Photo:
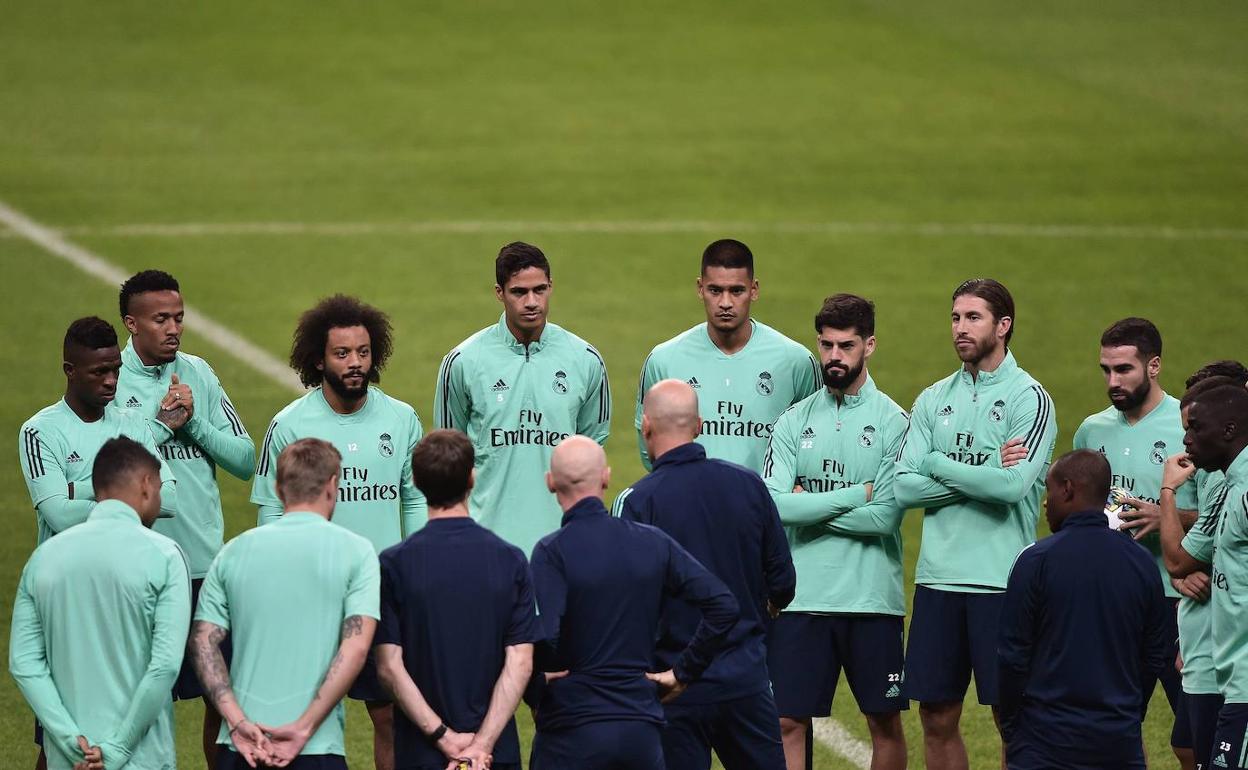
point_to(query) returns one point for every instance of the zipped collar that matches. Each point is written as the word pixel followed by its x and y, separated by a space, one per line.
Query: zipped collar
pixel 848 401
pixel 516 346
pixel 131 362
pixel 1002 373
pixel 685 453
pixel 585 508
pixel 1091 518
pixel 114 510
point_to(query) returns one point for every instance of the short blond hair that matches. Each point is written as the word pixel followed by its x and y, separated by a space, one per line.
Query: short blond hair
pixel 304 468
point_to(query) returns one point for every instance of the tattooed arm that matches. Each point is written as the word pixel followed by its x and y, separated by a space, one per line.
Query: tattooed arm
pixel 214 675
pixel 356 637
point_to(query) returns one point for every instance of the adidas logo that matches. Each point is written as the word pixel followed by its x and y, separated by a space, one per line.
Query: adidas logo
pixel 73 458
pixel 893 692
pixel 133 402
pixel 948 410
pixel 1220 760
pixel 500 386
pixel 809 432
pixel 693 382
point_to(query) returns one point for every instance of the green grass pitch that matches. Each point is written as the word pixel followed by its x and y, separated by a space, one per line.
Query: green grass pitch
pixel 1093 157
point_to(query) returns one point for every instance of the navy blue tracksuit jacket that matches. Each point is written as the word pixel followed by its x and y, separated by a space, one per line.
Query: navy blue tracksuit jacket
pixel 600 584
pixel 723 515
pixel 1083 620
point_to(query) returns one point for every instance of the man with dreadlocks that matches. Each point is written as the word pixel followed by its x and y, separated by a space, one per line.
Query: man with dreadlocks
pixel 340 347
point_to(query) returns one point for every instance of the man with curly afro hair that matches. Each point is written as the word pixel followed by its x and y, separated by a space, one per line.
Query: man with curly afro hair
pixel 339 349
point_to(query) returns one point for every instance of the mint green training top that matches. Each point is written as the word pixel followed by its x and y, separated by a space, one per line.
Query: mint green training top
pixel 516 402
pixel 283 591
pixel 739 395
pixel 57 451
pixel 214 436
pixel 377 498
pixel 847 551
pixel 978 516
pixel 1136 454
pixel 99 628
pixel 1196 618
pixel 1230 587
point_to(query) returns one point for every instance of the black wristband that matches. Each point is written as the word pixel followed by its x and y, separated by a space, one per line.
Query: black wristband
pixel 437 734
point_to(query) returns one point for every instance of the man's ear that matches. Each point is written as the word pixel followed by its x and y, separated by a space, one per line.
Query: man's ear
pixel 550 482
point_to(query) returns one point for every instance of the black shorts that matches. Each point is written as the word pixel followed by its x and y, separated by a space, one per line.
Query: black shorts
pixel 744 733
pixel 1230 740
pixel 1195 725
pixel 367 687
pixel 227 759
pixel 806 652
pixel 623 745
pixel 952 636
pixel 186 686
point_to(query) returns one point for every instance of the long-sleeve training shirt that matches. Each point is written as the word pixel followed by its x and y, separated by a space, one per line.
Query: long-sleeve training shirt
pixel 723 516
pixel 1083 620
pixel 57 450
pixel 600 583
pixel 847 549
pixel 977 515
pixel 99 629
pixel 739 395
pixel 517 402
pixel 213 437
pixel 377 497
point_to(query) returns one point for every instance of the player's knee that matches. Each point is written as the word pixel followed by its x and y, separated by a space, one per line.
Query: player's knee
pixel 793 728
pixel 885 726
pixel 940 720
pixel 382 715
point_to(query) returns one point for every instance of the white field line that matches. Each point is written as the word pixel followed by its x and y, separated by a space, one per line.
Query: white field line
pixel 833 734
pixel 828 731
pixel 94 265
pixel 643 227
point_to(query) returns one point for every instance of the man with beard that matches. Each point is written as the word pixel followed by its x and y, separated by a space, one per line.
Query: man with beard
pixel 518 388
pixel 745 372
pixel 1215 415
pixel 58 445
pixel 979 510
pixel 830 467
pixel 341 346
pixel 1136 433
pixel 196 428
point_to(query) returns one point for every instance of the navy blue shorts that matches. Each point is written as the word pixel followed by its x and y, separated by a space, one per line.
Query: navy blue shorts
pixel 952 636
pixel 626 745
pixel 1230 739
pixel 1195 725
pixel 1171 680
pixel 186 686
pixel 744 733
pixel 806 652
pixel 367 687
pixel 227 759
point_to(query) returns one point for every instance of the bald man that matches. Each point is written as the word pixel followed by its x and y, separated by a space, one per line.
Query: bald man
pixel 1083 623
pixel 601 583
pixel 724 516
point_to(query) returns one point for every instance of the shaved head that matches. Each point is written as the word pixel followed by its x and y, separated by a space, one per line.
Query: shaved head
pixel 672 407
pixel 578 469
pixel 1077 481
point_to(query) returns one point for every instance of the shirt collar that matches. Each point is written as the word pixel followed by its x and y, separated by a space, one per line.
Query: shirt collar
pixel 114 510
pixel 850 401
pixel 453 523
pixel 706 335
pixel 515 345
pixel 586 507
pixel 685 453
pixel 131 362
pixel 1237 473
pixel 1090 518
pixel 987 379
